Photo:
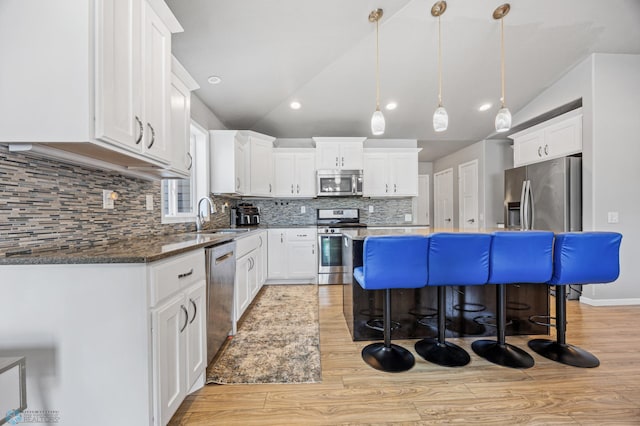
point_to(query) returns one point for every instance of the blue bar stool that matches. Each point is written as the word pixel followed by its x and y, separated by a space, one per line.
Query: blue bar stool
pixel 578 258
pixel 391 262
pixel 454 259
pixel 516 257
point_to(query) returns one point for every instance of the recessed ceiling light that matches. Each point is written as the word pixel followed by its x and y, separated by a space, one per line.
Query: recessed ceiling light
pixel 391 106
pixel 214 79
pixel 295 105
pixel 484 107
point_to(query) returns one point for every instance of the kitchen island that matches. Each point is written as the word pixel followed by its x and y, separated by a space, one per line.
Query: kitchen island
pixel 471 310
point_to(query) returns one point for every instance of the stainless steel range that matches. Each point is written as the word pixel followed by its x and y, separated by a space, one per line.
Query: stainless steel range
pixel 331 224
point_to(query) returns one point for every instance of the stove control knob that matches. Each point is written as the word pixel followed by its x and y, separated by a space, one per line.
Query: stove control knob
pixel 333 230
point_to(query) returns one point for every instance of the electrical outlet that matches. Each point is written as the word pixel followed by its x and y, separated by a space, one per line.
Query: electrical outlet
pixel 370 209
pixel 408 217
pixel 613 217
pixel 149 199
pixel 303 209
pixel 108 201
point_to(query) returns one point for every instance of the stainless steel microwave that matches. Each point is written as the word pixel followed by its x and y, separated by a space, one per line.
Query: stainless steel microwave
pixel 339 183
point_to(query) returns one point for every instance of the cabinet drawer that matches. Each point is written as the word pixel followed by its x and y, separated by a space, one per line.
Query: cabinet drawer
pixel 301 234
pixel 169 276
pixel 246 244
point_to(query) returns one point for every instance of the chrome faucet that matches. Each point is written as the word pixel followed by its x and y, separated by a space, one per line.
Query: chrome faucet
pixel 199 217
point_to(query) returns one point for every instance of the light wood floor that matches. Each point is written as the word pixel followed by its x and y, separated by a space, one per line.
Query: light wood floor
pixel 481 392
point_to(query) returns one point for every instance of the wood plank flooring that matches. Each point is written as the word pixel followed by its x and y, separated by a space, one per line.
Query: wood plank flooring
pixel 479 393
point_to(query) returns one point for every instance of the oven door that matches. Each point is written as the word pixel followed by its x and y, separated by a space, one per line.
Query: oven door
pixel 330 253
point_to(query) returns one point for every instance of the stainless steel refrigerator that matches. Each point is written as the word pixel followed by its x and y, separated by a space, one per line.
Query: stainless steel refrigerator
pixel 545 196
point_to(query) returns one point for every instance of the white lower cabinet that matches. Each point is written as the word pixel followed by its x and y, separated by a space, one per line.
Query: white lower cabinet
pixel 178 325
pixel 250 275
pixel 293 254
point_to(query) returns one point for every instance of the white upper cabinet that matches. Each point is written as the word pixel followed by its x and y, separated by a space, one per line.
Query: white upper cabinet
pixel 106 90
pixel 558 137
pixel 339 153
pixel 241 163
pixel 181 86
pixel 390 172
pixel 294 173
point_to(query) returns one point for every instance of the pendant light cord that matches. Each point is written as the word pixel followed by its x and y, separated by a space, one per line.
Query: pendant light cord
pixel 502 59
pixel 377 67
pixel 439 64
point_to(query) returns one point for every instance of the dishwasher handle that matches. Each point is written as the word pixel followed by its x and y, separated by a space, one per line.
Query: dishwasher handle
pixel 223 258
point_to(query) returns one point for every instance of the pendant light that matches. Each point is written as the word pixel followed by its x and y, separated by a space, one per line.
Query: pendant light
pixel 377 119
pixel 503 118
pixel 440 116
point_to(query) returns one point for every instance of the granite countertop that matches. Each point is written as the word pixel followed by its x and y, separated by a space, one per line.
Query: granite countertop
pixel 134 250
pixel 361 234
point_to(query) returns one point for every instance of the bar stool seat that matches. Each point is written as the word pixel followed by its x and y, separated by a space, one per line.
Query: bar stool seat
pixel 454 259
pixel 578 258
pixel 391 262
pixel 516 257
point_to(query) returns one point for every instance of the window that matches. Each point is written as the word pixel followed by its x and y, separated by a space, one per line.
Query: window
pixel 179 196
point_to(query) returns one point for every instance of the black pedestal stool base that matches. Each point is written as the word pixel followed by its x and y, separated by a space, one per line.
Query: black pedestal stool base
pixel 505 354
pixel 445 354
pixel 392 359
pixel 565 354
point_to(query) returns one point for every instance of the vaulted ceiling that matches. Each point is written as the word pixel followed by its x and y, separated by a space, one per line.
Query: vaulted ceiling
pixel 322 54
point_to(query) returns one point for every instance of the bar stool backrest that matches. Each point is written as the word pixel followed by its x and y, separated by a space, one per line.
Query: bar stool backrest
pixel 393 262
pixel 459 258
pixel 586 258
pixel 521 257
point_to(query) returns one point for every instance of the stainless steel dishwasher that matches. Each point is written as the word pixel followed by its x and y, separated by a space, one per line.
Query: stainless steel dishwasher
pixel 221 273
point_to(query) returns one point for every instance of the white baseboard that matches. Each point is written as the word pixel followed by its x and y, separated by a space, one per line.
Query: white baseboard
pixel 609 302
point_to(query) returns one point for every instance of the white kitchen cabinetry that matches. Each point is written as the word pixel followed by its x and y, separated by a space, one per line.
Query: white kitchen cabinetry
pixel 178 329
pixel 558 137
pixel 390 172
pixel 250 275
pixel 181 86
pixel 339 153
pixel 293 255
pixel 105 95
pixel 241 163
pixel 294 173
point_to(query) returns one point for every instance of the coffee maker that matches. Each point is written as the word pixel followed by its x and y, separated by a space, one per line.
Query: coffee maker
pixel 245 215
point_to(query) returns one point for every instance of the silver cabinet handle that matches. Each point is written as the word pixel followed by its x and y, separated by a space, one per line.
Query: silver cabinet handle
pixel 395 188
pixel 386 187
pixel 298 189
pixel 342 161
pixel 546 149
pixel 153 135
pixel 269 188
pixel 260 237
pixel 336 161
pixel 186 318
pixel 540 151
pixel 471 220
pixel 141 130
pixel 190 161
pixel 195 310
pixel 185 274
pixel 282 238
pixel 448 220
pixel 237 184
pixel 313 249
pixel 292 188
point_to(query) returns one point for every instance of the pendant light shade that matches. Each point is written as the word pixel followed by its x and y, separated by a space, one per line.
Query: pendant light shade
pixel 377 123
pixel 377 119
pixel 440 116
pixel 503 118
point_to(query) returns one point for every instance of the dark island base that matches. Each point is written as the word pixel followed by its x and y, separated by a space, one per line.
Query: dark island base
pixel 471 310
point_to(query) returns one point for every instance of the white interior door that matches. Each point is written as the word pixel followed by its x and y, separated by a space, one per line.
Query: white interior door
pixel 468 195
pixel 421 202
pixel 443 199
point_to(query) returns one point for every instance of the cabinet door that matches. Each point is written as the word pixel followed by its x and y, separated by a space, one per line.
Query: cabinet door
pixel 261 167
pixel 327 155
pixel 242 293
pixel 375 182
pixel 263 259
pixel 118 115
pixel 277 259
pixel 351 156
pixel 181 159
pixel 156 72
pixel 239 166
pixel 301 259
pixel 169 354
pixel 284 169
pixel 196 338
pixel 403 174
pixel 563 138
pixel 253 274
pixel 528 148
pixel 305 176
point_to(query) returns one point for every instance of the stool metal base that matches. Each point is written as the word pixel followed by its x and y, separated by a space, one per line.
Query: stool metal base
pixel 505 355
pixel 445 354
pixel 565 354
pixel 392 359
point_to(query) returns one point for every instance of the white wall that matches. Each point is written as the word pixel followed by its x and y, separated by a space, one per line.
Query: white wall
pixel 610 90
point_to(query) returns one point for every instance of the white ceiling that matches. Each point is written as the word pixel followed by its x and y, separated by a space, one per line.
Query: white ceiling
pixel 322 54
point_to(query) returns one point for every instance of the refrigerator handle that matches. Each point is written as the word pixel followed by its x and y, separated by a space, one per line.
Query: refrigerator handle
pixel 523 194
pixel 533 207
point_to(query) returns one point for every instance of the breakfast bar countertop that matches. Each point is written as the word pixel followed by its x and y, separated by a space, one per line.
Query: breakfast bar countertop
pixel 361 234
